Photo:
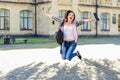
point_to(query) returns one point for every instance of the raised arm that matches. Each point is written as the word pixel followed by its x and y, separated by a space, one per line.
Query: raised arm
pixel 53 17
pixel 80 22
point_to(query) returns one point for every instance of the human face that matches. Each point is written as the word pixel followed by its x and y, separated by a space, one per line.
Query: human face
pixel 71 17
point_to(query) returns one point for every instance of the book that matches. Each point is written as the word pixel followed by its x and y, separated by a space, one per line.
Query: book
pixel 95 16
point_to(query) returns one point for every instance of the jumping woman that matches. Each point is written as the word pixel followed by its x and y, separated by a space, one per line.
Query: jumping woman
pixel 70 33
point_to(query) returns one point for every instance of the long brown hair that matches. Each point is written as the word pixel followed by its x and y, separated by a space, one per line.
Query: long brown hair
pixel 67 13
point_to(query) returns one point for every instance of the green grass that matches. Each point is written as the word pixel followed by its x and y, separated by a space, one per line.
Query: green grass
pixel 31 40
pixel 1 40
pixel 40 40
pixel 102 40
pixel 37 42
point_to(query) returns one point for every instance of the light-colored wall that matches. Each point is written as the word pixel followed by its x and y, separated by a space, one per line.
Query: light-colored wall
pixel 113 27
pixel 42 21
pixel 50 29
pixel 44 24
pixel 93 29
pixel 15 18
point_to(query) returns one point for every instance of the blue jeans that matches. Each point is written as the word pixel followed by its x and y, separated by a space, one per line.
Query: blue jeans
pixel 68 49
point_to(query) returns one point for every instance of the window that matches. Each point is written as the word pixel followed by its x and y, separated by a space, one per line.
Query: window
pixel 114 19
pixel 25 20
pixel 62 13
pixel 4 19
pixel 119 22
pixel 105 21
pixel 86 26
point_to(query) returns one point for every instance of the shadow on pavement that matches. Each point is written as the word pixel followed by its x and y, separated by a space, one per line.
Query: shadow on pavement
pixel 87 69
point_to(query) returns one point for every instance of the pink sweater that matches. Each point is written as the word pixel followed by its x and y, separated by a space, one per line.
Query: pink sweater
pixel 75 25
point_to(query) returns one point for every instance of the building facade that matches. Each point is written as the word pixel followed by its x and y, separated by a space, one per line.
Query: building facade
pixel 26 17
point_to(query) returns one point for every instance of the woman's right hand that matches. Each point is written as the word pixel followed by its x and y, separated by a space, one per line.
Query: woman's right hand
pixel 47 14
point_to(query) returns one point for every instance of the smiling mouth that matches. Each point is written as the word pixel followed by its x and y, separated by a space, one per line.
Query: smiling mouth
pixel 70 18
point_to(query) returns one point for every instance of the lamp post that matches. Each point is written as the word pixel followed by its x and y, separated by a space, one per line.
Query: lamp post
pixel 96 23
pixel 35 2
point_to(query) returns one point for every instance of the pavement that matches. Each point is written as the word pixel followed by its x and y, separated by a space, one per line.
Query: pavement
pixel 99 62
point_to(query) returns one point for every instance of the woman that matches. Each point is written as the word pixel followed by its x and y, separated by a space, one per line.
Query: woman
pixel 70 33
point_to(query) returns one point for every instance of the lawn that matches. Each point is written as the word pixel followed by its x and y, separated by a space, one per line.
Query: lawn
pixel 31 40
pixel 37 42
pixel 99 40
